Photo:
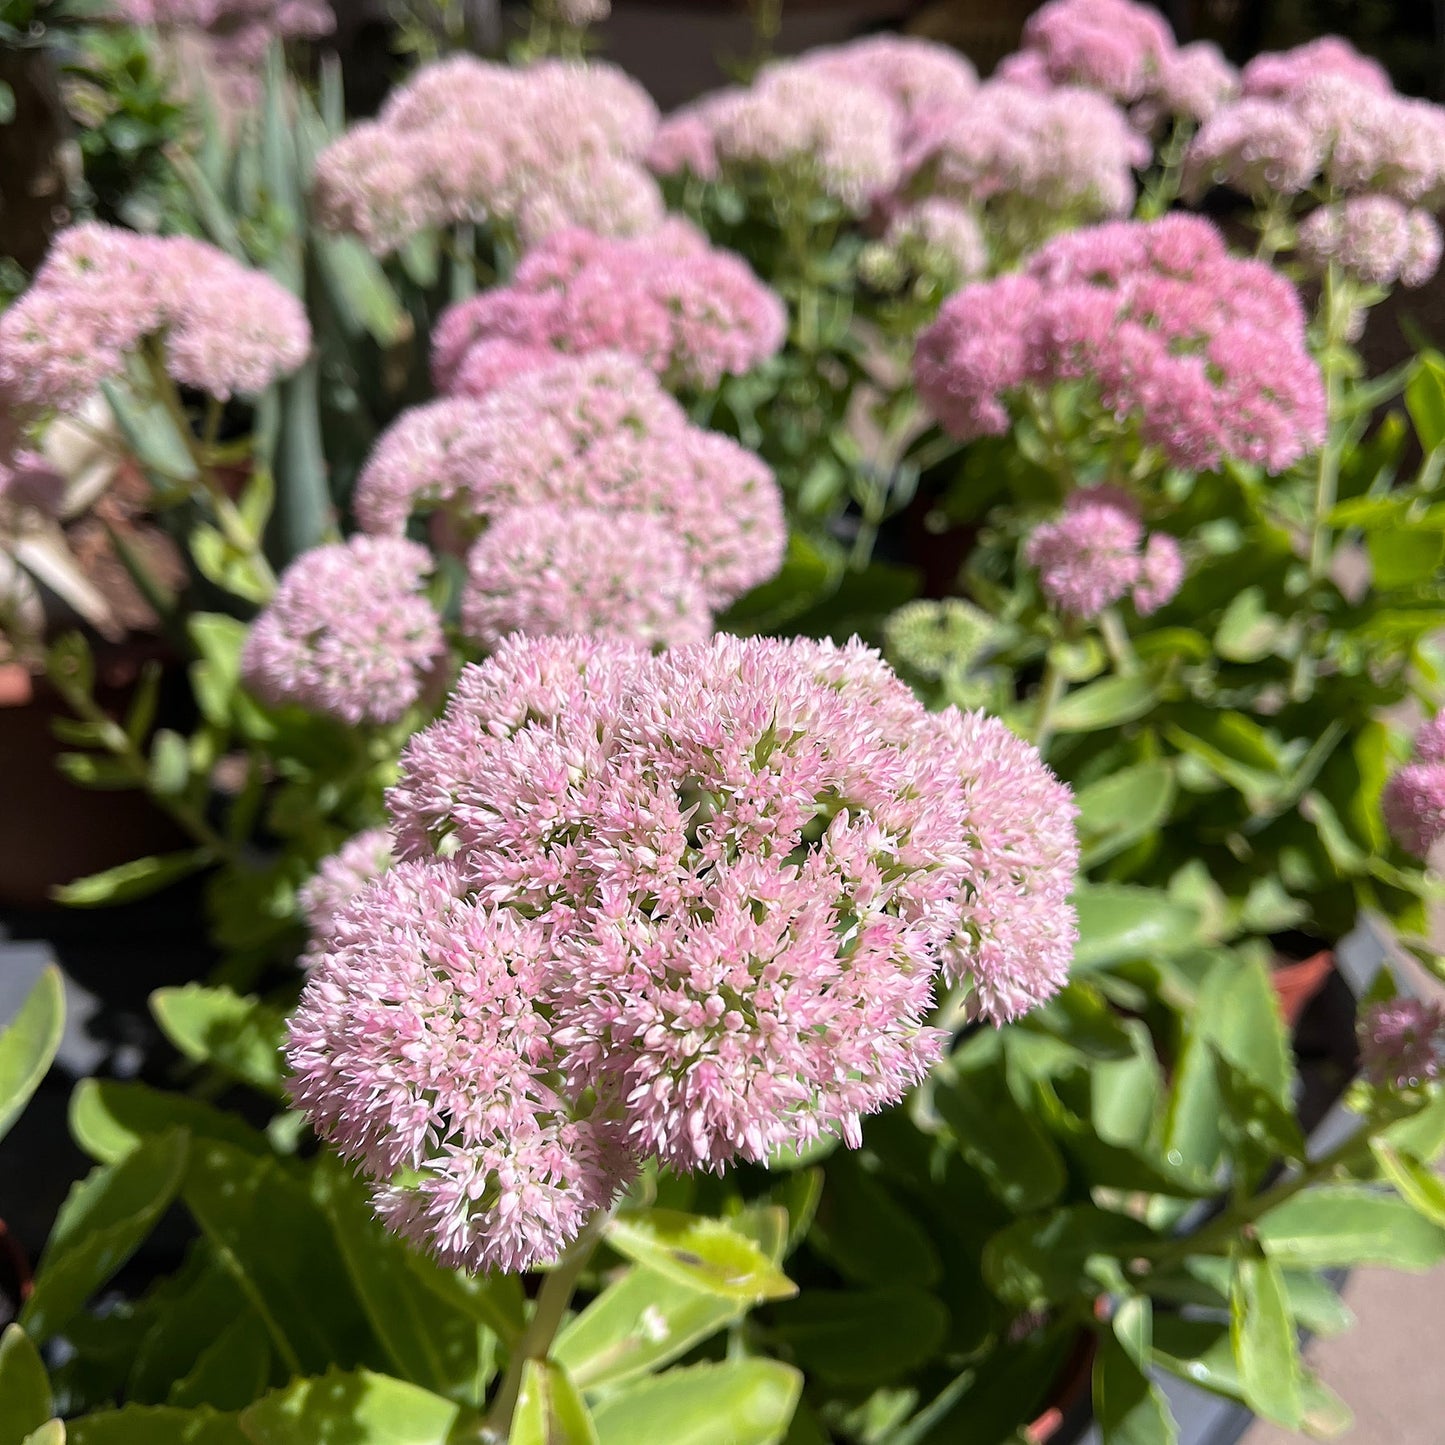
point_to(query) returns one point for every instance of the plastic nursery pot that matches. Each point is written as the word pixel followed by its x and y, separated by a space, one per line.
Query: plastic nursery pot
pixel 52 830
pixel 1297 983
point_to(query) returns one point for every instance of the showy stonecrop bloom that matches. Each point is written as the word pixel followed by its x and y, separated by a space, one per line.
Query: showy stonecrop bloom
pixel 349 632
pixel 1402 1043
pixel 342 875
pixel 936 239
pixel 691 313
pixel 1095 554
pixel 103 292
pixel 1203 352
pixel 547 571
pixel 1037 161
pixel 691 907
pixel 1113 46
pixel 1414 797
pixel 1374 240
pixel 594 431
pixel 527 150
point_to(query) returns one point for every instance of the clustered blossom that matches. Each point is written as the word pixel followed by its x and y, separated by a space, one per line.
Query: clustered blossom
pixel 594 432
pixel 1125 51
pixel 1414 797
pixel 536 149
pixel 914 75
pixel 242 28
pixel 1402 1042
pixel 1064 152
pixel 102 291
pixel 690 907
pixel 1095 553
pixel 1322 112
pixel 349 632
pixel 546 571
pixel 690 312
pixel 342 875
pixel 1203 351
pixel 1373 239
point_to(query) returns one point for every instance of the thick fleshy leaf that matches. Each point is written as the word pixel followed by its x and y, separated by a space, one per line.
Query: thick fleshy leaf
pixel 1343 1224
pixel 1122 808
pixel 103 1221
pixel 702 1253
pixel 155 1425
pixel 638 1324
pixel 1262 1335
pixel 1046 1258
pixel 1129 1407
pixel 28 1045
pixel 370 1409
pixel 25 1399
pixel 1105 704
pixel 549 1409
pixel 109 1119
pixel 216 1026
pixel 745 1402
pixel 862 1229
pixel 1119 923
pixel 1417 1184
pixel 861 1337
pixel 232 1370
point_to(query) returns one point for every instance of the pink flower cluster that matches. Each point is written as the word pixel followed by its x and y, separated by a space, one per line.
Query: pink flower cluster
pixel 1065 151
pixel 1125 51
pixel 532 150
pixel 549 570
pixel 1322 112
pixel 102 291
pixel 243 28
pixel 1204 352
pixel 690 907
pixel 1414 798
pixel 595 432
pixel 1374 239
pixel 342 875
pixel 349 632
pixel 691 313
pixel 1402 1043
pixel 1095 553
pixel 936 238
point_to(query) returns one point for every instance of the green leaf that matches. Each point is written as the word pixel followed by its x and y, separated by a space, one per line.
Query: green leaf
pixel 1417 1184
pixel 1205 1280
pixel 25 1399
pixel 153 438
pixel 745 1402
pixel 279 1247
pixel 1238 1012
pixel 232 1370
pixel 638 1324
pixel 1404 557
pixel 1120 809
pixel 215 1026
pixel 1343 1224
pixel 808 573
pixel 1129 1407
pixel 103 1221
pixel 1123 924
pixel 1248 631
pixel 216 675
pixel 1421 1134
pixel 1047 1258
pixel 1105 704
pixel 1262 1336
pixel 154 1425
pixel 364 298
pixel 1193 1136
pixel 137 879
pixel 360 1408
pixel 435 1345
pixel 109 1120
pixel 861 1337
pixel 549 1409
pixel 862 1229
pixel 702 1253
pixel 1018 1160
pixel 50 1433
pixel 1425 400
pixel 28 1045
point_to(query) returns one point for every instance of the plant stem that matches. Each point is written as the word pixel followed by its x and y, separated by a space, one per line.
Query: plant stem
pixel 1050 693
pixel 1327 481
pixel 552 1301
pixel 1116 642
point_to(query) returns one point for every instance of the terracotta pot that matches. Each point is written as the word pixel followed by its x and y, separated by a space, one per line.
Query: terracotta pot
pixel 1298 982
pixel 53 831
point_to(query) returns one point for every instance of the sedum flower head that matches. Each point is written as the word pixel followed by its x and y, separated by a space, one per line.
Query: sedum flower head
pixel 1161 574
pixel 913 74
pixel 689 907
pixel 1402 1042
pixel 1414 797
pixel 1205 352
pixel 349 632
pixel 594 431
pixel 933 638
pixel 1113 46
pixel 1375 239
pixel 549 570
pixel 102 292
pixel 936 238
pixel 342 875
pixel 1088 558
pixel 691 313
